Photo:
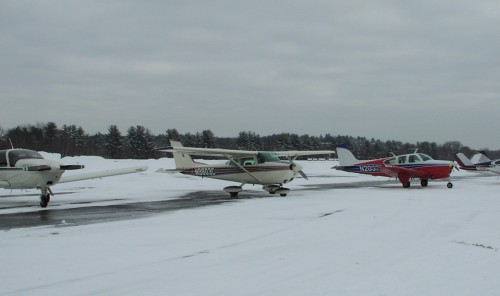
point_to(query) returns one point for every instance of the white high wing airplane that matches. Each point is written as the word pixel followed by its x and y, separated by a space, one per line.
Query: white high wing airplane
pixel 245 167
pixel 24 169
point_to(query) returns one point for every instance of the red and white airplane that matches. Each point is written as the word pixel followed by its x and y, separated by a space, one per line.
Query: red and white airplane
pixel 403 167
pixel 245 167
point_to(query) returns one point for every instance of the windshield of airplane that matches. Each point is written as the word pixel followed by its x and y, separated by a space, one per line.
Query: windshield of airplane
pixel 15 155
pixel 425 157
pixel 391 161
pixel 267 157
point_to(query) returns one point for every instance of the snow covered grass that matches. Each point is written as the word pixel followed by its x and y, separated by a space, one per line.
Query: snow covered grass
pixel 382 240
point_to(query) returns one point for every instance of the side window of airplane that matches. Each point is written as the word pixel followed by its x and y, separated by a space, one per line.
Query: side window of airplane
pixel 247 161
pixel 3 158
pixel 414 158
pixel 402 159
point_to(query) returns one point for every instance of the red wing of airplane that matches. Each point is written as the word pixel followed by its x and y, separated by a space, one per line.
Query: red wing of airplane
pixel 397 171
pixel 403 174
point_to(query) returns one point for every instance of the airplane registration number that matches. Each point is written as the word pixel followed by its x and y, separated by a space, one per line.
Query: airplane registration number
pixel 204 171
pixel 369 168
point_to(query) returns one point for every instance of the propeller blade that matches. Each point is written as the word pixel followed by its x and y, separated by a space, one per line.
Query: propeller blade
pixel 301 172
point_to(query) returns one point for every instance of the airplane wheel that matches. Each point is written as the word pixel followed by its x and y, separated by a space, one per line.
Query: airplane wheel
pixel 282 191
pixel 44 200
pixel 406 185
pixel 449 185
pixel 424 182
pixel 233 194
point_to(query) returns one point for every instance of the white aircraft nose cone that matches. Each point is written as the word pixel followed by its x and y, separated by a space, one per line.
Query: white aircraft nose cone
pixel 296 167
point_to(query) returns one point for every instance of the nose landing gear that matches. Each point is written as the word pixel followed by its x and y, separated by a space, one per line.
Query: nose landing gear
pixel 45 197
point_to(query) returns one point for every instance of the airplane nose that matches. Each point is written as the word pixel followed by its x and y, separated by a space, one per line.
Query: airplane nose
pixel 295 167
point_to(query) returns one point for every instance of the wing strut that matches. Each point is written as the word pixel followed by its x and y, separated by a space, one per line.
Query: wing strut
pixel 245 170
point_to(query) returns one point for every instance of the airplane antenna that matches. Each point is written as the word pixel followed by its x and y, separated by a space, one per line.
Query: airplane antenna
pixel 11 145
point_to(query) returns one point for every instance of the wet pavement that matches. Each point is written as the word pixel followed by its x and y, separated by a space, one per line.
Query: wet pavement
pixel 91 214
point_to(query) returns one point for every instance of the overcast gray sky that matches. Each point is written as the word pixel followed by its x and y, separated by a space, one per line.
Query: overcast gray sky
pixel 402 70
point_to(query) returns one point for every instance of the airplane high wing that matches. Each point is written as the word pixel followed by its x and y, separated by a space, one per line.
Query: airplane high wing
pixel 243 166
pixel 24 169
pixel 404 167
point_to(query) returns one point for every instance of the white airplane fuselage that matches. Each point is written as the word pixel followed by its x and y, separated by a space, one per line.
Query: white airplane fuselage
pixel 24 179
pixel 265 173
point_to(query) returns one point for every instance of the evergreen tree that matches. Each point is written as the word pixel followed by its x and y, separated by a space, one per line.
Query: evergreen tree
pixel 173 134
pixel 113 145
pixel 140 143
pixel 208 139
pixel 50 134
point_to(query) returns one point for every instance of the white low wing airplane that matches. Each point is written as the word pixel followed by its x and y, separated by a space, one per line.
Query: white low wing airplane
pixel 24 169
pixel 245 167
pixel 479 163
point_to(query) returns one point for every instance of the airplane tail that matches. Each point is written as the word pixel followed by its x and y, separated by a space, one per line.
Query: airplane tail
pixel 479 158
pixel 182 160
pixel 346 158
pixel 464 162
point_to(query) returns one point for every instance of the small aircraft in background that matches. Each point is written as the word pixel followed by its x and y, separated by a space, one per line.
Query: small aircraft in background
pixel 25 169
pixel 479 163
pixel 403 167
pixel 245 167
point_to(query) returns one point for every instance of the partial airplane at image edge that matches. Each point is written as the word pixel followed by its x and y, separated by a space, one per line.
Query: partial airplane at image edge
pixel 243 166
pixel 403 167
pixel 479 163
pixel 26 169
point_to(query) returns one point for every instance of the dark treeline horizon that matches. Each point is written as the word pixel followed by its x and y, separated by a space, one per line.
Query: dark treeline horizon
pixel 138 142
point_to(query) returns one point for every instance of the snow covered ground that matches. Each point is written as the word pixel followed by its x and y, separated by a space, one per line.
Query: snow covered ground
pixel 319 240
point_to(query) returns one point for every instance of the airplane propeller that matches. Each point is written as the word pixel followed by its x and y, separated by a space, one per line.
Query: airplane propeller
pixel 297 168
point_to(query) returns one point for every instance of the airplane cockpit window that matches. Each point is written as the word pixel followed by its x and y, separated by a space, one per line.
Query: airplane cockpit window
pixel 3 158
pixel 267 157
pixel 414 158
pixel 402 159
pixel 15 155
pixel 247 161
pixel 425 157
pixel 391 161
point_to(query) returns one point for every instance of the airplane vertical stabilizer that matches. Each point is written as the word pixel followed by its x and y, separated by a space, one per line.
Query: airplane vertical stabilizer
pixel 479 158
pixel 346 158
pixel 182 159
pixel 464 161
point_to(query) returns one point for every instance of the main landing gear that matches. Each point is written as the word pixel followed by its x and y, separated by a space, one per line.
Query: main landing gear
pixel 276 189
pixel 45 197
pixel 272 189
pixel 423 183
